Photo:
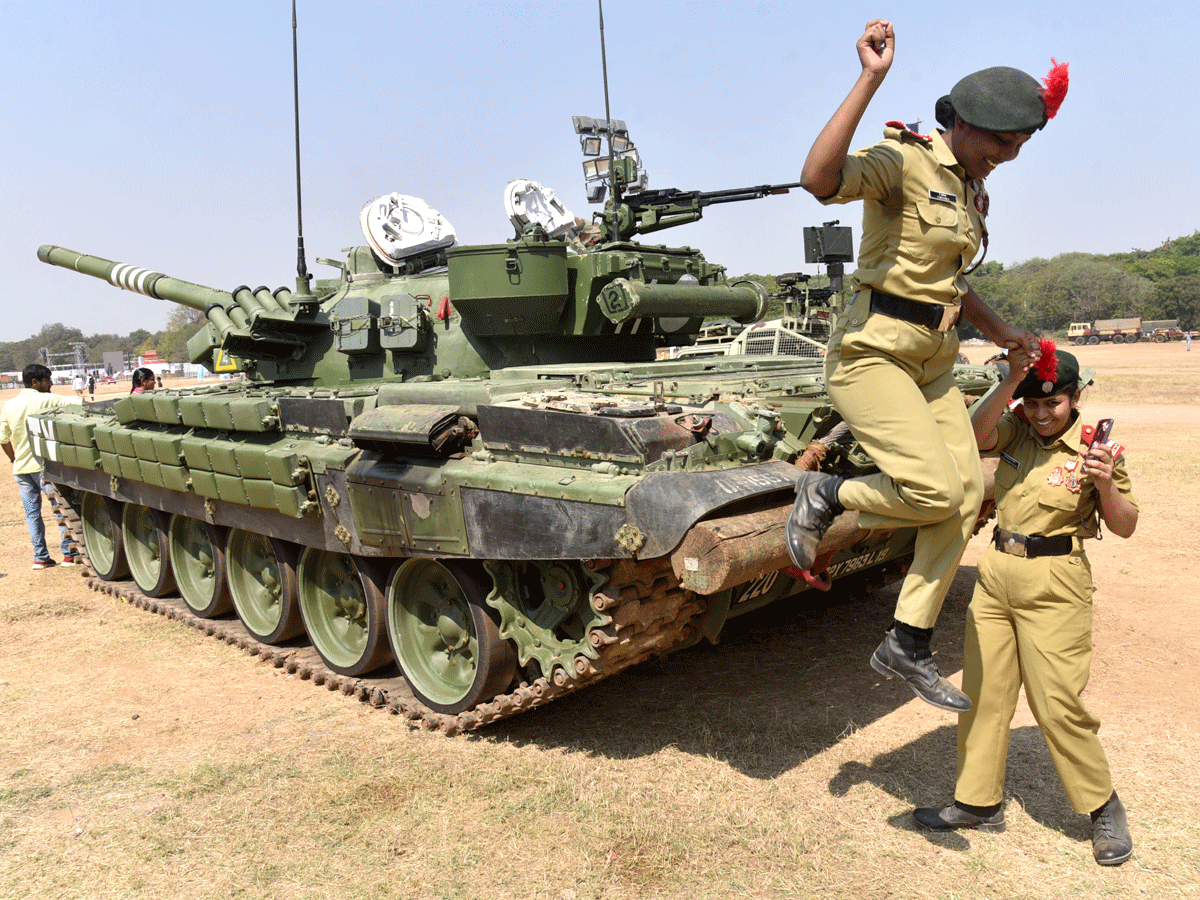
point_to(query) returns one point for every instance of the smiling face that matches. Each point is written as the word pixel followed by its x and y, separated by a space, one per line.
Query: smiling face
pixel 979 151
pixel 1050 416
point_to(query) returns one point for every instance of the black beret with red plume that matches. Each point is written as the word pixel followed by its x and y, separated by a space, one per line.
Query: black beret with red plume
pixel 1056 371
pixel 1005 100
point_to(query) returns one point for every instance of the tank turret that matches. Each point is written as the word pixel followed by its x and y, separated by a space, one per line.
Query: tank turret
pixel 465 312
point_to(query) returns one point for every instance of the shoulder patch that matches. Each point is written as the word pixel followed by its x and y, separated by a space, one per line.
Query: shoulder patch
pixel 904 131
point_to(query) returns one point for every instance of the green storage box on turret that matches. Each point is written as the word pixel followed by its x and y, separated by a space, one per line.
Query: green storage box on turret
pixel 515 288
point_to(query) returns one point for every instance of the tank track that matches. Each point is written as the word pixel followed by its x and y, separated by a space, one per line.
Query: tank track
pixel 651 615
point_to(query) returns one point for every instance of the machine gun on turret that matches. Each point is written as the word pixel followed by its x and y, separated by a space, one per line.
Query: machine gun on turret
pixel 646 211
pixel 632 209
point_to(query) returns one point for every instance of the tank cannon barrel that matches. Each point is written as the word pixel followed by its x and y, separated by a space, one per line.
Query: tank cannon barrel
pixel 245 322
pixel 133 278
pixel 623 299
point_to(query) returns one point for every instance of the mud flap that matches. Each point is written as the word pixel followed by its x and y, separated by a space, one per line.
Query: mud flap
pixel 664 505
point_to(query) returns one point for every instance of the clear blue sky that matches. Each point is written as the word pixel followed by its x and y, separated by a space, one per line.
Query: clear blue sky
pixel 160 133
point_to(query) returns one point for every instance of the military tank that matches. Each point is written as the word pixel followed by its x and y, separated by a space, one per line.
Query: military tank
pixel 457 481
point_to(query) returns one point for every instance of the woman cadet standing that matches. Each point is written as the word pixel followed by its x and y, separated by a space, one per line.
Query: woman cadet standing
pixel 888 363
pixel 1030 619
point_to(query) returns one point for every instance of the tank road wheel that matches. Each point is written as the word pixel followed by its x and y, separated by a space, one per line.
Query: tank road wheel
pixel 198 560
pixel 262 582
pixel 445 636
pixel 102 536
pixel 147 549
pixel 343 608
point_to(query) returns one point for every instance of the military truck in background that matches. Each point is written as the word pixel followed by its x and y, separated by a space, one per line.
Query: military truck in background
pixel 1119 331
pixel 1161 330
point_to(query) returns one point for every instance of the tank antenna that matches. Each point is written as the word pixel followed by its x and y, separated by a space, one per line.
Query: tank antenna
pixel 302 277
pixel 612 172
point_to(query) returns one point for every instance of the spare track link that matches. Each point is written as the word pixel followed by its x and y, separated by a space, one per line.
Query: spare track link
pixel 650 613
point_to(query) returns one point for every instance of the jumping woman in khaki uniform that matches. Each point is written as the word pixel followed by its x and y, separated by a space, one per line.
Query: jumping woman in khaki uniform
pixel 888 364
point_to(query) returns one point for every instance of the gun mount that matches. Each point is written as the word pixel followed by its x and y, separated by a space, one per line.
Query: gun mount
pixel 632 209
pixel 644 212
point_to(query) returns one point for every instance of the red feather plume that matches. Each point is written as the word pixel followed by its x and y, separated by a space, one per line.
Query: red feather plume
pixel 1047 365
pixel 1056 88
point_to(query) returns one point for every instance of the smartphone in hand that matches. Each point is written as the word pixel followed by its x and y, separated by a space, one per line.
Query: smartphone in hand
pixel 1100 435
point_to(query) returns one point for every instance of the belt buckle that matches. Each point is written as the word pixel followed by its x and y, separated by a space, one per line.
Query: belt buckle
pixel 1014 544
pixel 949 317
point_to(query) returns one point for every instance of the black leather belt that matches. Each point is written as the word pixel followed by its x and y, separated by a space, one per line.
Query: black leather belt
pixel 1032 544
pixel 930 315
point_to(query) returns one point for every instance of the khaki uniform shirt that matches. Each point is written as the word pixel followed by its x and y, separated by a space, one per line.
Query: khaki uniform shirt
pixel 921 221
pixel 1040 488
pixel 12 425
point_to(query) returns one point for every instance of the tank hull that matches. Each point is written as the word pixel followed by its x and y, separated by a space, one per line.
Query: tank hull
pixel 566 524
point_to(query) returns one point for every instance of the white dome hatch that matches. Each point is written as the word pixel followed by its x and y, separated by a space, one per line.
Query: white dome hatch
pixel 527 201
pixel 398 227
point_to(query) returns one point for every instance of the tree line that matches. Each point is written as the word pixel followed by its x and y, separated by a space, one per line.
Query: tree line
pixel 1046 295
pixel 59 338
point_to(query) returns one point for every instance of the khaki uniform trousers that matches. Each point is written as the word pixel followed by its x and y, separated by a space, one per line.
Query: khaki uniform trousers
pixel 1030 621
pixel 892 383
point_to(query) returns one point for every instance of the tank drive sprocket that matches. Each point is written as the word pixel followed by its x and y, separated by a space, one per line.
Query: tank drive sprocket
pixel 547 608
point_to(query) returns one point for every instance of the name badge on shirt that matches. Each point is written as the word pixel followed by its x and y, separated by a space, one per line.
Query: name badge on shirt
pixel 1011 460
pixel 942 195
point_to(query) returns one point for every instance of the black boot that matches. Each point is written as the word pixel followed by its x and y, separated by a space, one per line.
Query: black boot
pixel 890 660
pixel 816 507
pixel 957 816
pixel 1111 842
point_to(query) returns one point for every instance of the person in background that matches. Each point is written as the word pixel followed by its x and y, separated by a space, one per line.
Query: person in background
pixel 888 367
pixel 1030 619
pixel 27 471
pixel 143 380
pixel 92 386
pixel 78 385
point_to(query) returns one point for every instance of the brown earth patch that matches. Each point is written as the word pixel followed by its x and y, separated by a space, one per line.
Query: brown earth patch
pixel 142 759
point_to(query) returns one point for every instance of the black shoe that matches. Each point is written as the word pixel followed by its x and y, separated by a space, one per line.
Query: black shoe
pixel 921 675
pixel 953 816
pixel 815 509
pixel 1111 842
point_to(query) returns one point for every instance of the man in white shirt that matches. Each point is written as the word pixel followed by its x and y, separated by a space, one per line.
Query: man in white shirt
pixel 14 441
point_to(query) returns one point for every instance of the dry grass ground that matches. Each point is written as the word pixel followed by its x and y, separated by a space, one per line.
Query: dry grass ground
pixel 142 759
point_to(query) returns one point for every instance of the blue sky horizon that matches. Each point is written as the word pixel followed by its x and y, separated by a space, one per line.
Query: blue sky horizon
pixel 160 133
